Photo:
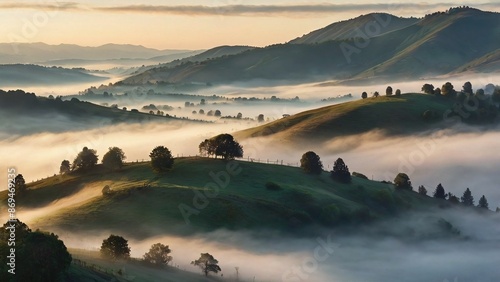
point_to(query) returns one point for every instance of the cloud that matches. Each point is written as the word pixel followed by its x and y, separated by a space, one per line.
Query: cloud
pixel 250 10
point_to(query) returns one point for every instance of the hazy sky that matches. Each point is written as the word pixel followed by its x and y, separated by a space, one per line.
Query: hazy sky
pixel 190 24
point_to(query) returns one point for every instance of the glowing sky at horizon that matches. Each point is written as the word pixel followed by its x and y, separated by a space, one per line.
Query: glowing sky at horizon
pixel 190 24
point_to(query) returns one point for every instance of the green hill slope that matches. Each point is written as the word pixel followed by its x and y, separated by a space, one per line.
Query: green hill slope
pixel 241 201
pixel 349 28
pixel 391 114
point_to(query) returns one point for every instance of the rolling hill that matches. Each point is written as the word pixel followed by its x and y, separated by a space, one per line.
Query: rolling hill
pixel 435 45
pixel 28 75
pixel 382 22
pixel 34 114
pixel 145 204
pixel 390 114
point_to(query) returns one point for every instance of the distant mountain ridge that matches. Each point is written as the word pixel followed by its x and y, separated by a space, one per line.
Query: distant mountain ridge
pixel 12 53
pixel 19 74
pixel 437 44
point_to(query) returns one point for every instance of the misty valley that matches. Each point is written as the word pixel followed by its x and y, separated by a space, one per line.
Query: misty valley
pixel 366 150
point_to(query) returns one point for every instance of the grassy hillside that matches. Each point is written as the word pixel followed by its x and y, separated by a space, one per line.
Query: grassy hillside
pixel 393 115
pixel 437 44
pixel 296 202
pixel 349 28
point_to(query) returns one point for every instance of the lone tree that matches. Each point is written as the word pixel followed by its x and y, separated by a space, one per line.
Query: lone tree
pixel 86 159
pixel 467 88
pixel 65 167
pixel 448 90
pixel 376 94
pixel 388 91
pixel 217 113
pixel 428 88
pixel 467 198
pixel 439 192
pixel 115 247
pixel 222 145
pixel 422 190
pixel 311 163
pixel 483 203
pixel 402 181
pixel 20 184
pixel 341 172
pixel 158 255
pixel 398 92
pixel 260 118
pixel 207 263
pixel 364 95
pixel 161 159
pixel 113 159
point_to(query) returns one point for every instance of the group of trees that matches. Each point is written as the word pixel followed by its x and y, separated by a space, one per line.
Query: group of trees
pixel 39 256
pixel 402 181
pixel 162 160
pixel 88 158
pixel 311 163
pixel 222 145
pixel 116 248
pixel 388 92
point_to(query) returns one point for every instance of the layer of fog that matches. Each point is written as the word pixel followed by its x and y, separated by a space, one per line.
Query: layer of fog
pixel 380 252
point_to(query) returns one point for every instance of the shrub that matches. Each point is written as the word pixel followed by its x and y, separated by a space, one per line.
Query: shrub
pixel 359 175
pixel 273 186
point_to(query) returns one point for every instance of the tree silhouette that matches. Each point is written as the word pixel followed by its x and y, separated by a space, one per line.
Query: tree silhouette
pixel 402 181
pixel 161 159
pixel 341 172
pixel 222 145
pixel 483 203
pixel 113 159
pixel 20 184
pixel 158 254
pixel 86 159
pixel 388 91
pixel 42 255
pixel 217 113
pixel 65 167
pixel 260 118
pixel 398 92
pixel 428 88
pixel 467 198
pixel 467 88
pixel 207 263
pixel 439 192
pixel 448 90
pixel 115 247
pixel 376 94
pixel 422 190
pixel 364 95
pixel 311 163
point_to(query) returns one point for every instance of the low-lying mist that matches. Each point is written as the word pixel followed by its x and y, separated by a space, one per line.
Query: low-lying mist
pixel 380 252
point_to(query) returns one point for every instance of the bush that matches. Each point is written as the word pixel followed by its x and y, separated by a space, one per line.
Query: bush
pixel 273 186
pixel 106 190
pixel 359 175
